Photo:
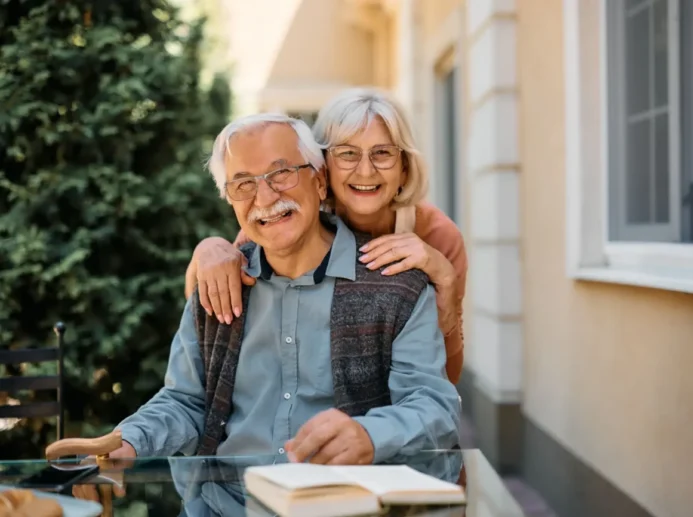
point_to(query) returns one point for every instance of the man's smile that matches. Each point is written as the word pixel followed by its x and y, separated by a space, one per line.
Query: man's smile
pixel 277 218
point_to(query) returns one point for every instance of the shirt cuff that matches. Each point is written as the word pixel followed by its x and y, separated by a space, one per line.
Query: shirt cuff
pixel 383 440
pixel 135 437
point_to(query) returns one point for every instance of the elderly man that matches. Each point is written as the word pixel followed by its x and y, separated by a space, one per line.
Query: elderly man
pixel 329 361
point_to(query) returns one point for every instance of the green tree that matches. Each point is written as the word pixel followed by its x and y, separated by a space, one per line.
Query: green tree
pixel 104 131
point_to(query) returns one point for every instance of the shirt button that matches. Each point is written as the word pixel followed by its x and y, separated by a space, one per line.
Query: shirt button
pixel 287 396
pixel 281 450
pixel 288 339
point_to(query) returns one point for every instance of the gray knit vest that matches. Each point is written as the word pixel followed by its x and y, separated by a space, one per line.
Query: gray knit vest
pixel 366 317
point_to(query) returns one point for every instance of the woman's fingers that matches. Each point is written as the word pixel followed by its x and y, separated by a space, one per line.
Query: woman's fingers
pixel 400 267
pixel 235 289
pixel 224 294
pixel 220 283
pixel 384 239
pixel 213 295
pixel 387 256
pixel 204 298
pixel 382 245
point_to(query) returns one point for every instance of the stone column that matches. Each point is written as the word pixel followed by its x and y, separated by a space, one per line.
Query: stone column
pixel 493 390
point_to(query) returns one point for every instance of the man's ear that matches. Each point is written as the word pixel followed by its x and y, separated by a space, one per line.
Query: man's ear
pixel 321 178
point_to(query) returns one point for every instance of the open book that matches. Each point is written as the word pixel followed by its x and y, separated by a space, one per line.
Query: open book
pixel 308 490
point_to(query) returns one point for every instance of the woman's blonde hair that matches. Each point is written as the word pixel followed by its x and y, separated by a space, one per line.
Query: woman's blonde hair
pixel 351 111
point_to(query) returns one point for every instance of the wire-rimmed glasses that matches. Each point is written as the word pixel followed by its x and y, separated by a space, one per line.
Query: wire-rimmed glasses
pixel 280 180
pixel 382 157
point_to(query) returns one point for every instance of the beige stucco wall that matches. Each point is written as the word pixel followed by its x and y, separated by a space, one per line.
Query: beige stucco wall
pixel 297 57
pixel 607 368
pixel 433 14
pixel 321 45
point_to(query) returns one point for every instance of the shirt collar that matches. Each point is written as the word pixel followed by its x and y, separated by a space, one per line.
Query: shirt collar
pixel 339 262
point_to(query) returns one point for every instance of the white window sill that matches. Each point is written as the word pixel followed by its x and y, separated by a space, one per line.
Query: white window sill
pixel 669 279
pixel 665 266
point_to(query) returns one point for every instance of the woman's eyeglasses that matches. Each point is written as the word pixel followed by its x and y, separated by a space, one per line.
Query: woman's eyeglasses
pixel 382 157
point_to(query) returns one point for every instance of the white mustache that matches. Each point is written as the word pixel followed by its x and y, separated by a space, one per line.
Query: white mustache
pixel 280 207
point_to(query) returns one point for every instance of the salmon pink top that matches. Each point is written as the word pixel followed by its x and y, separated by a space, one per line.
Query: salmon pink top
pixel 439 231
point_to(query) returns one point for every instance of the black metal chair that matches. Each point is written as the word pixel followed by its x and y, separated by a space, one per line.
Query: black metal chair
pixel 37 382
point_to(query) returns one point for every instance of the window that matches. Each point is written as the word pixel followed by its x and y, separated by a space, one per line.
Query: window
pixel 629 121
pixel 648 69
pixel 686 32
pixel 448 142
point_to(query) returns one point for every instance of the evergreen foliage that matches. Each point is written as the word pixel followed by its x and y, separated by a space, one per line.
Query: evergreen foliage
pixel 104 131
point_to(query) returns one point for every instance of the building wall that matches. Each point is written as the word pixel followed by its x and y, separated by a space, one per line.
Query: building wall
pixel 607 368
pixel 322 45
pixel 297 58
pixel 434 15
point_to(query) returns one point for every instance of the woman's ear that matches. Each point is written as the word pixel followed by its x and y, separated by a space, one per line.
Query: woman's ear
pixel 405 168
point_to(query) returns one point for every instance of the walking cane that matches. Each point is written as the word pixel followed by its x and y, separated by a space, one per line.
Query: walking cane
pixel 99 449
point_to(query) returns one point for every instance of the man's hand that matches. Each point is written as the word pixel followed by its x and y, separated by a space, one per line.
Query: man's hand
pixel 331 438
pixel 124 453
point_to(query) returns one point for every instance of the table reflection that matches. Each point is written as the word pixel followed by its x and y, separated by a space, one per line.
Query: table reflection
pixel 213 486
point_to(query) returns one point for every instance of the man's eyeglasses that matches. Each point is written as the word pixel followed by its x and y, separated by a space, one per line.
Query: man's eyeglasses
pixel 382 157
pixel 280 180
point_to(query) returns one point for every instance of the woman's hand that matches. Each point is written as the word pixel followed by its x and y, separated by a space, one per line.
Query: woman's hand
pixel 404 251
pixel 219 278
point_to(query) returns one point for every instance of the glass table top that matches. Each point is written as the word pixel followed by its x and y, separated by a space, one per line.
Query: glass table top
pixel 213 486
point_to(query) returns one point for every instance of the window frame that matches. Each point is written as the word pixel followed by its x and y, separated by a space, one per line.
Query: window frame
pixel 440 54
pixel 589 253
pixel 616 127
pixel 448 156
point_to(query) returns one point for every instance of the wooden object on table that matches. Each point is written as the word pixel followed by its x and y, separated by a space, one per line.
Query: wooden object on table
pixel 100 448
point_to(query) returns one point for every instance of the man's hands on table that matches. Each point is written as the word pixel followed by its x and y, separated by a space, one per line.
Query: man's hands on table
pixel 90 492
pixel 331 438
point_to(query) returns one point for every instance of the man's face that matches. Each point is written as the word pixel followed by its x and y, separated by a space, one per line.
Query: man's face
pixel 277 221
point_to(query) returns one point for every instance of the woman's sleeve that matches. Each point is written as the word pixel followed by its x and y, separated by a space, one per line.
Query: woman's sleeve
pixel 450 318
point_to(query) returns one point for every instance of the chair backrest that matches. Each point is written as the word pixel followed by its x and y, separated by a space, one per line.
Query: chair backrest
pixel 37 382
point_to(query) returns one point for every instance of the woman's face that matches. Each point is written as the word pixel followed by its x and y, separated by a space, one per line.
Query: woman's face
pixel 364 185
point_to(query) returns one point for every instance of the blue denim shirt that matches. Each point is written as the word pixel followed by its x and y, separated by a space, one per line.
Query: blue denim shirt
pixel 284 375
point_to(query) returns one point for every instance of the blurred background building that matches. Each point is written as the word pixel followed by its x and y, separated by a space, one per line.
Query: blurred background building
pixel 558 135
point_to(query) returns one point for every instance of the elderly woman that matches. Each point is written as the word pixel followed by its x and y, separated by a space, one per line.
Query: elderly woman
pixel 377 182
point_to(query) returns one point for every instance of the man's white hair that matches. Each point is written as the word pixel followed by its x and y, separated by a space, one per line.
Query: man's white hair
pixel 308 147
